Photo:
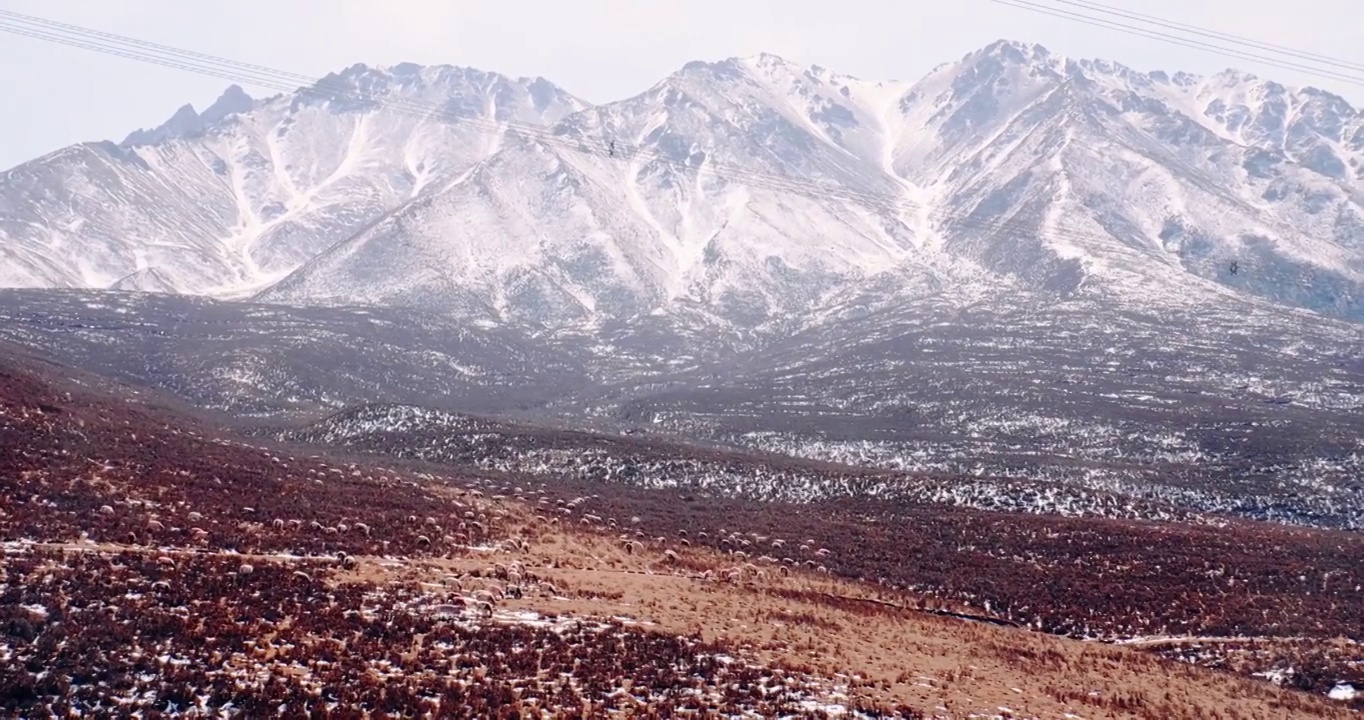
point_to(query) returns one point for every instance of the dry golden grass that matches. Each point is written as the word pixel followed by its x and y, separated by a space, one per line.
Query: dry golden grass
pixel 945 666
pixel 891 652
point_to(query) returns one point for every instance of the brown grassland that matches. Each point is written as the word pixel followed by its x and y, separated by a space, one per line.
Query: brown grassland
pixel 150 565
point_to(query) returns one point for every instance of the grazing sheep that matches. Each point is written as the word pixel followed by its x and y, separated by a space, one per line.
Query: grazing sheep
pixel 670 556
pixel 165 561
pixel 106 510
pixel 423 540
pixel 155 525
pixel 195 517
pixel 300 575
pixel 245 569
pixel 278 524
pixel 363 528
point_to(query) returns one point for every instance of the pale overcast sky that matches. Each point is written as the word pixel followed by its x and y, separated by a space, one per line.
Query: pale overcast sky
pixel 600 50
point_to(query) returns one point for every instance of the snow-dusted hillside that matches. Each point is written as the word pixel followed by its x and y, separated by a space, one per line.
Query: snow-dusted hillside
pixel 231 200
pixel 761 191
pixel 750 189
pixel 1017 403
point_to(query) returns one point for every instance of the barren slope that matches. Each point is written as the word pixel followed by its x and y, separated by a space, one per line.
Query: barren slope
pixel 346 559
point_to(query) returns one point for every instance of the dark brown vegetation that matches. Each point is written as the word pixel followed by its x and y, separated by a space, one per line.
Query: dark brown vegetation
pixel 104 633
pixel 1072 576
pixel 1306 664
pixel 1082 577
pixel 1076 576
pixel 108 472
pixel 1079 577
pixel 133 579
pixel 163 502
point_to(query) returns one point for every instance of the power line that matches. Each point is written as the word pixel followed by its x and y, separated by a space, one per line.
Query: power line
pixel 1165 37
pixel 1216 34
pixel 247 73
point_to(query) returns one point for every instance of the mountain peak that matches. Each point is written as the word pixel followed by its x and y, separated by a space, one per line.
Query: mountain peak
pixel 184 123
pixel 188 123
pixel 1014 51
pixel 234 100
pixel 767 60
pixel 551 231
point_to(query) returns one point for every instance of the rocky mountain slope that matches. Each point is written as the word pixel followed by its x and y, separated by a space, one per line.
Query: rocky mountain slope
pixel 237 197
pixel 1017 404
pixel 751 189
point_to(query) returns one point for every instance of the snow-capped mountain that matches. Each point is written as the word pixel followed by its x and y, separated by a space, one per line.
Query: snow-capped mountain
pixel 232 199
pixel 751 188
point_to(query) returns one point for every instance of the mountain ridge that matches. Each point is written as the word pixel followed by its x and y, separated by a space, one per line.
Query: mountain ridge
pixel 756 187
